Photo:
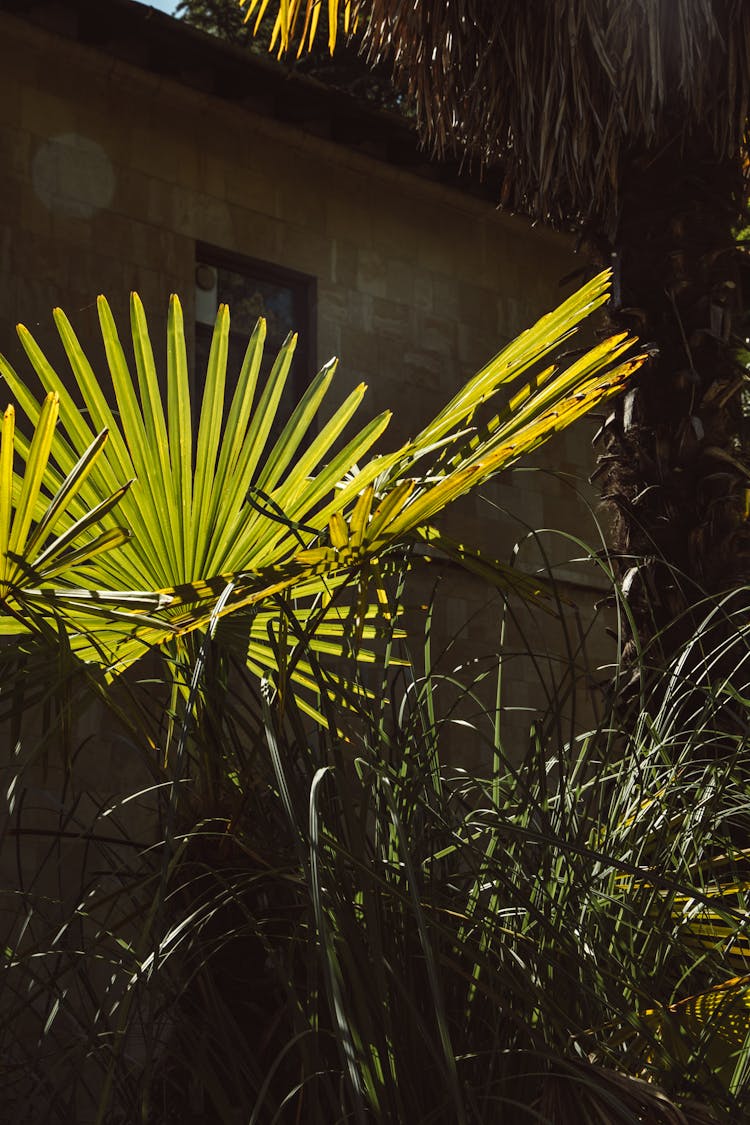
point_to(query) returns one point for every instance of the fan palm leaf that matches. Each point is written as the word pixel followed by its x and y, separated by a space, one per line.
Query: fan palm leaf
pixel 220 502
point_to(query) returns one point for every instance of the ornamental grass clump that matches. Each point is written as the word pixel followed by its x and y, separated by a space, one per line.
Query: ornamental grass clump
pixel 364 931
pixel 246 880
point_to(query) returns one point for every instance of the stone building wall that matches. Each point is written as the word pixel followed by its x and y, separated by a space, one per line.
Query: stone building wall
pixel 111 174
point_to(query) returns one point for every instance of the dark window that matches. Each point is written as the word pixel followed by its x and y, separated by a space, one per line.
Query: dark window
pixel 252 289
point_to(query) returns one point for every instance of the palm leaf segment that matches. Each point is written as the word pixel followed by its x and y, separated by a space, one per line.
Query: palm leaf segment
pixel 274 517
pixel 713 1024
pixel 40 540
pixel 300 18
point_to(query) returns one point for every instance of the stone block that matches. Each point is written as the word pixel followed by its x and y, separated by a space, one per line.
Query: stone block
pixel 157 154
pixel 13 194
pixel 372 272
pixel 49 257
pixel 156 248
pixel 100 119
pixel 251 188
pixel 307 251
pixel 301 199
pixel 360 305
pixel 393 318
pixel 11 101
pixel 486 267
pixel 435 253
pixel 72 175
pixel 158 206
pixel 390 364
pixel 256 234
pixel 19 71
pixel 203 218
pixel 423 292
pixel 349 216
pixel 333 304
pixel 517 316
pixel 400 280
pixel 444 295
pixel 343 262
pixel 72 230
pixel 359 352
pixel 428 373
pixel 114 236
pixel 186 156
pixel 131 193
pixel 15 152
pixel 467 240
pixel 438 334
pixel 476 347
pixel 477 306
pixel 6 250
pixel 181 264
pixel 211 174
pixel 396 232
pixel 46 114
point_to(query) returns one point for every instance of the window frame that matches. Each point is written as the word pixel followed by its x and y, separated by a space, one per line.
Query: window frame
pixel 304 289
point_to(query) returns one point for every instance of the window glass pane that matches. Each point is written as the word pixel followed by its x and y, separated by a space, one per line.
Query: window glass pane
pixel 253 290
pixel 248 298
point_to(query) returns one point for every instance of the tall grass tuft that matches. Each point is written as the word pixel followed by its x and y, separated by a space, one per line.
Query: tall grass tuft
pixel 342 924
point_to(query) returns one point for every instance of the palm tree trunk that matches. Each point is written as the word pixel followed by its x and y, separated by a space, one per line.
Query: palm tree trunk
pixel 672 456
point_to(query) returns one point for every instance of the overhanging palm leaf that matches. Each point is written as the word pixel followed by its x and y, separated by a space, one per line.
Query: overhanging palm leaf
pixel 559 97
pixel 288 22
pixel 235 507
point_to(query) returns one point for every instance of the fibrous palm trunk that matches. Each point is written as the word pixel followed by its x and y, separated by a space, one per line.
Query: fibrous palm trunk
pixel 672 457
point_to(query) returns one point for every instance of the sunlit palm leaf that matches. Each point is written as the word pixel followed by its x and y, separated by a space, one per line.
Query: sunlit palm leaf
pixel 33 549
pixel 547 404
pixel 234 507
pixel 299 19
pixel 714 1024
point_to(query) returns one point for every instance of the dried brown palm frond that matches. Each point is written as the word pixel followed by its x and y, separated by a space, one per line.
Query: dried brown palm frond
pixel 557 93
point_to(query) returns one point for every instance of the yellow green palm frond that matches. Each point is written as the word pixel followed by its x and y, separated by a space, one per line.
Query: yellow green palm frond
pixel 299 20
pixel 714 1025
pixel 227 502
